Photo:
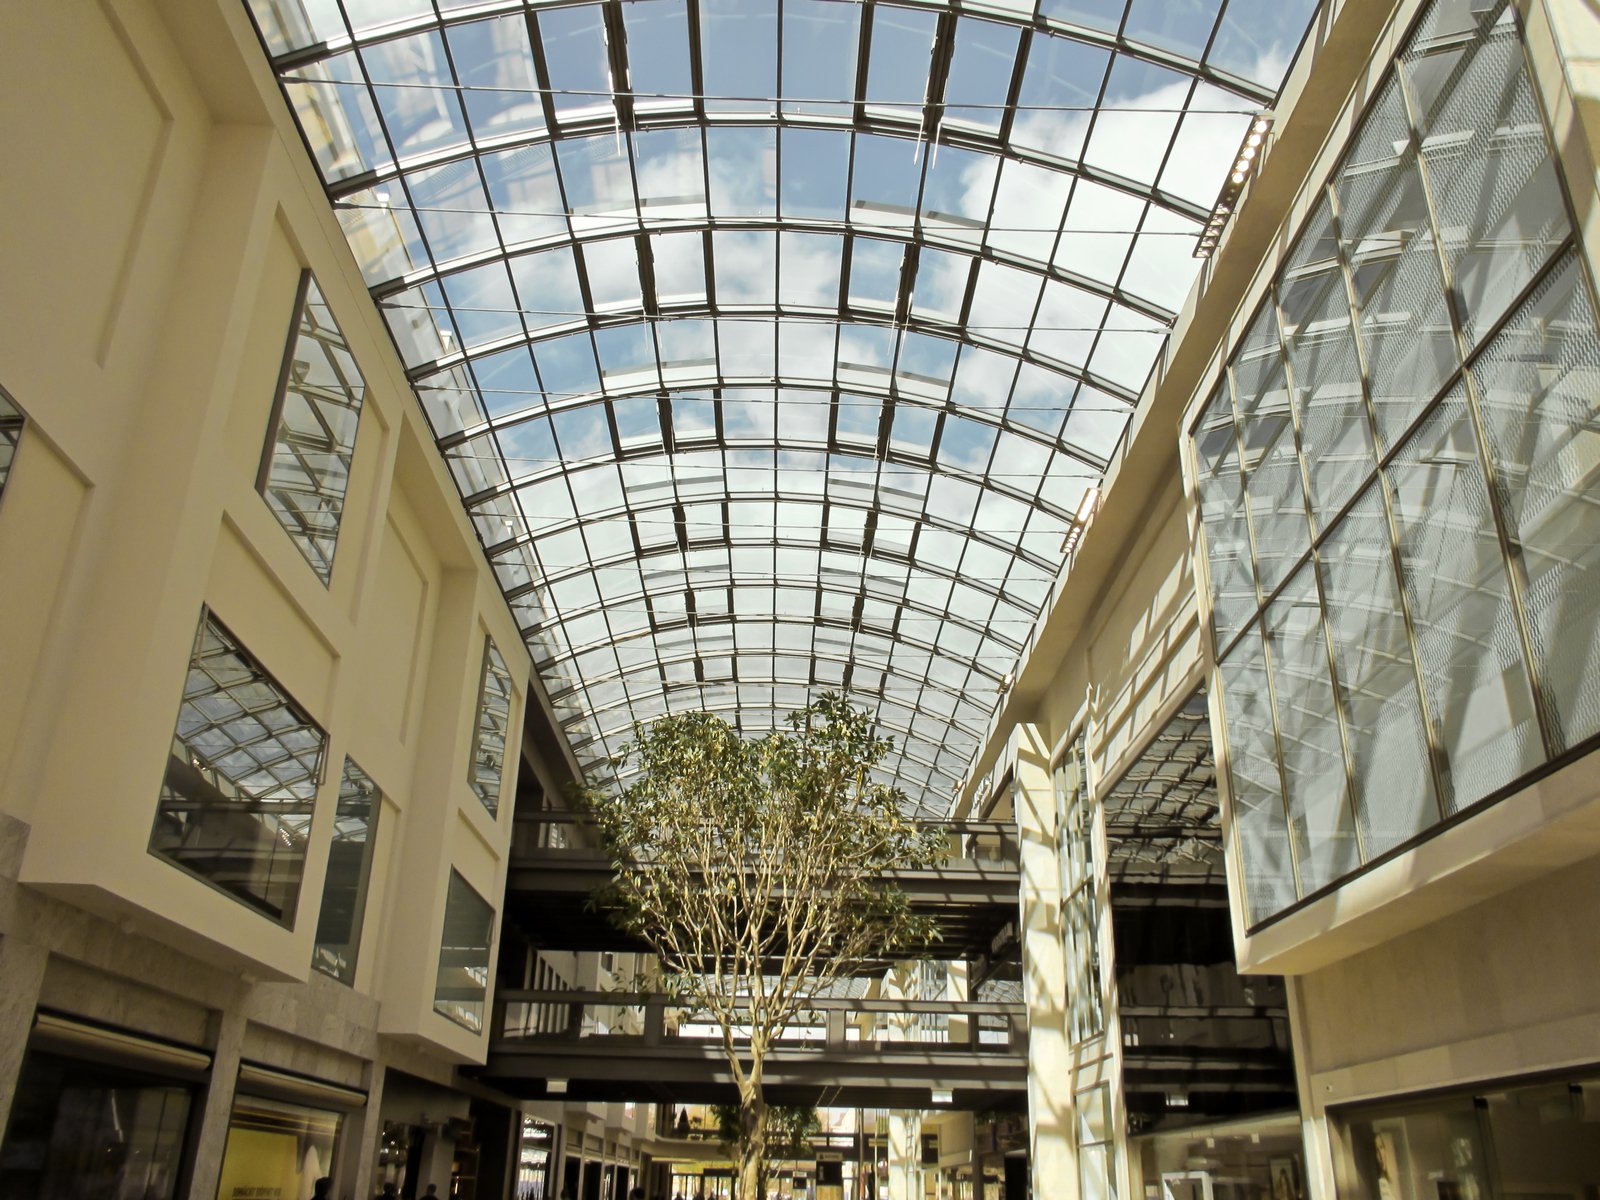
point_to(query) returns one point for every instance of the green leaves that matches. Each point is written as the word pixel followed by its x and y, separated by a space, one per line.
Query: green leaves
pixel 758 869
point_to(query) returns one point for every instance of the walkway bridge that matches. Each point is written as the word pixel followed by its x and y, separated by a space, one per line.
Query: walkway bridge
pixel 845 1051
pixel 556 871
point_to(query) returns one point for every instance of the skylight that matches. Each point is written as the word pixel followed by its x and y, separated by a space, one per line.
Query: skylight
pixel 773 344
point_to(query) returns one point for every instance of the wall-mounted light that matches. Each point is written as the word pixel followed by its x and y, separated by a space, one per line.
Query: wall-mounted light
pixel 1244 165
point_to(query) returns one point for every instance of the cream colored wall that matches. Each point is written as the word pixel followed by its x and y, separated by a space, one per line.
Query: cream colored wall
pixel 159 211
pixel 1503 987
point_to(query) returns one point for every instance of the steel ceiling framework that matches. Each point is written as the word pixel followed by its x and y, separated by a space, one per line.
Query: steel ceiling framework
pixel 774 344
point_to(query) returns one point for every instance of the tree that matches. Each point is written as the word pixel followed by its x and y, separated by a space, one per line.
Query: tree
pixel 755 871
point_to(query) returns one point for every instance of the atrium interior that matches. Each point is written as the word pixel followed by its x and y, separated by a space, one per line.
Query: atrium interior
pixel 1175 423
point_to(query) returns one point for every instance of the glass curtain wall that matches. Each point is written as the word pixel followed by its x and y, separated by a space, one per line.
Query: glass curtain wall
pixel 1395 479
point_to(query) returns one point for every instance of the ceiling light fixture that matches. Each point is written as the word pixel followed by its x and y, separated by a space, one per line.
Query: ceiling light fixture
pixel 1245 163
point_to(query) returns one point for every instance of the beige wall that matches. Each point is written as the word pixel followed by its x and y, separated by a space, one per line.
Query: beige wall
pixel 159 211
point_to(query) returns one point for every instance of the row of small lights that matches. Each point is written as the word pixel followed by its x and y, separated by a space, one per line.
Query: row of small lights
pixel 1244 163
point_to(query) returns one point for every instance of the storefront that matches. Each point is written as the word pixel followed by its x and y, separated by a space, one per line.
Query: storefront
pixel 1537 1140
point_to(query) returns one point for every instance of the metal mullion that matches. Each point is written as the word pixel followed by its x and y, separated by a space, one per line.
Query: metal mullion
pixel 547 100
pixel 1314 565
pixel 1438 760
pixel 982 143
pixel 1044 267
pixel 285 369
pixel 1498 494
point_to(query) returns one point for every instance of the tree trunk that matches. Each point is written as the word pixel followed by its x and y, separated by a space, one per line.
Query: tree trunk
pixel 752 1141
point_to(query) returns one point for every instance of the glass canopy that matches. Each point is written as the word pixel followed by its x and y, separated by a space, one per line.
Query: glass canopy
pixel 773 344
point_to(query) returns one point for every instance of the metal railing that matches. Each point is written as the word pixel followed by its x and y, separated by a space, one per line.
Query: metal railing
pixel 608 1021
pixel 567 836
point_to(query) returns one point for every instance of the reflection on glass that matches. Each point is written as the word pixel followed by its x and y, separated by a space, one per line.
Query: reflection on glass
pixel 1222 514
pixel 80 1129
pixel 1260 824
pixel 494 717
pixel 1315 311
pixel 461 989
pixel 1541 403
pixel 306 468
pixel 1466 632
pixel 11 422
pixel 344 889
pixel 241 782
pixel 1377 679
pixel 276 1149
pixel 1320 817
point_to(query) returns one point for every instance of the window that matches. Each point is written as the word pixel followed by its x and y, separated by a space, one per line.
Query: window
pixel 1080 908
pixel 462 987
pixel 241 780
pixel 494 717
pixel 82 1128
pixel 276 1149
pixel 11 422
pixel 344 889
pixel 305 469
pixel 1400 539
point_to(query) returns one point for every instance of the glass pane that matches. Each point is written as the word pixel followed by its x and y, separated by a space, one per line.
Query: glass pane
pixel 85 1129
pixel 461 989
pixel 285 1143
pixel 1276 493
pixel 1261 830
pixel 1315 310
pixel 1372 653
pixel 241 783
pixel 1494 185
pixel 1537 383
pixel 308 467
pixel 1220 490
pixel 494 717
pixel 1320 817
pixel 1394 263
pixel 344 888
pixel 1455 577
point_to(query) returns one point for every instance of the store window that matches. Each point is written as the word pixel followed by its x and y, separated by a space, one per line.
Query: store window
pixel 305 468
pixel 88 1129
pixel 534 1159
pixel 1529 1141
pixel 1402 545
pixel 241 781
pixel 461 989
pixel 276 1149
pixel 11 422
pixel 344 889
pixel 494 718
pixel 1080 907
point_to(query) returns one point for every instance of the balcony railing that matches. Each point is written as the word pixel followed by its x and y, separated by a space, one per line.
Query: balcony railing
pixel 610 1021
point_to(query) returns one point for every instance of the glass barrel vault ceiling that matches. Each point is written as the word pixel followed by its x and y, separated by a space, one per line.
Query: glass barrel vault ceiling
pixel 774 343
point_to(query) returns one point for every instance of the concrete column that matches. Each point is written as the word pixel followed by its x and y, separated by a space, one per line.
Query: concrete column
pixel 1320 1181
pixel 22 966
pixel 211 1136
pixel 361 1134
pixel 905 1155
pixel 1051 1147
